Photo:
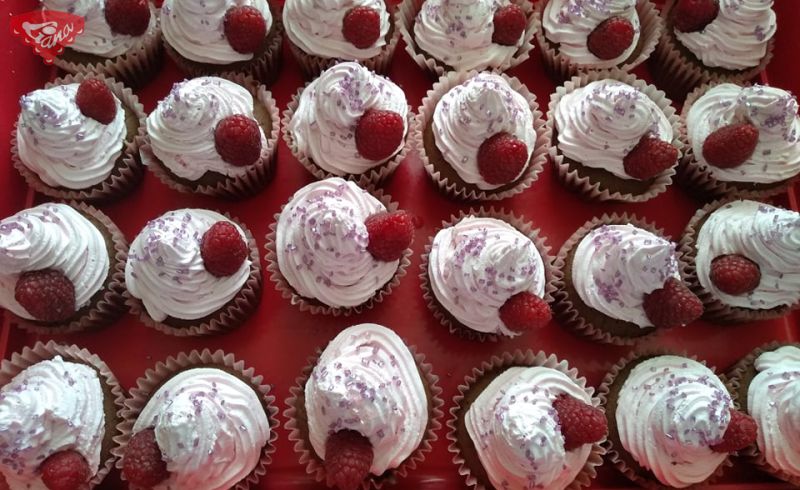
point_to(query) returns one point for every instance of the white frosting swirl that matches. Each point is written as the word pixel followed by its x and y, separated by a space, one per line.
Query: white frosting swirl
pixel 165 269
pixel 472 112
pixel 196 30
pixel 61 145
pixel 52 236
pixel 772 110
pixel 599 124
pixel 615 266
pixel 210 427
pixel 737 38
pixel 315 26
pixel 49 407
pixel 773 400
pixel 768 236
pixel 321 243
pixel 669 412
pixel 324 123
pixel 568 23
pixel 477 264
pixel 181 128
pixel 516 433
pixel 366 380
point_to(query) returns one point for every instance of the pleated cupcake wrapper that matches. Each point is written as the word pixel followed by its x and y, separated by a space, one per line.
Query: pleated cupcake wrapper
pixel 127 170
pixel 315 466
pixel 155 377
pixel 504 361
pixel 455 189
pixel 45 351
pixel 524 227
pixel 312 305
pixel 242 186
pixel 111 304
pixel 229 316
pixel 584 185
pixel 561 67
pixel 406 18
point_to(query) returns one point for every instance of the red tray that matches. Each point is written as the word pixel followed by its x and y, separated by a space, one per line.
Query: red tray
pixel 278 339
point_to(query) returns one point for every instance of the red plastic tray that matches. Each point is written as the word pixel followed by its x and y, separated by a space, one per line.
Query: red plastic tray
pixel 278 339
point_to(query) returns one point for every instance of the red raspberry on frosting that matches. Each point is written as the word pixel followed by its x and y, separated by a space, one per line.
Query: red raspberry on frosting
pixel 223 249
pixel 694 15
pixel 731 145
pixel 143 465
pixel 741 432
pixel 379 134
pixel 525 311
pixel 649 157
pixel 735 274
pixel 509 24
pixel 47 294
pixel 502 158
pixel 611 38
pixel 245 28
pixel 237 139
pixel 348 458
pixel 361 26
pixel 674 305
pixel 580 422
pixel 131 17
pixel 390 234
pixel 65 470
pixel 95 100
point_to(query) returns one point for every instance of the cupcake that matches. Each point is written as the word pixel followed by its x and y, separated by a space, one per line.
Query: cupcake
pixel 193 272
pixel 620 280
pixel 744 260
pixel 62 268
pixel 323 32
pixel 613 137
pixel 366 412
pixel 488 274
pixel 672 423
pixel 526 420
pixel 350 123
pixel 200 420
pixel 480 136
pixel 58 416
pixel 336 249
pixel 223 37
pixel 741 139
pixel 76 139
pixel 213 136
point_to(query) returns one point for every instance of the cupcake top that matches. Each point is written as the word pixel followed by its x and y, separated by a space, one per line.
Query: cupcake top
pixel 210 427
pixel 325 124
pixel 64 147
pixel 50 407
pixel 770 113
pixel 762 234
pixel 169 272
pixel 367 381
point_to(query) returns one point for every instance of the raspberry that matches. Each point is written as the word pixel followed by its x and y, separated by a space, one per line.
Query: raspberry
pixel 96 101
pixel 245 29
pixel 348 458
pixel 649 157
pixel 694 15
pixel 361 26
pixel 509 25
pixel 47 294
pixel 390 234
pixel 502 158
pixel 130 17
pixel 580 423
pixel 610 38
pixel 674 305
pixel 525 311
pixel 741 432
pixel 379 134
pixel 223 249
pixel 735 274
pixel 143 466
pixel 238 140
pixel 65 470
pixel 731 145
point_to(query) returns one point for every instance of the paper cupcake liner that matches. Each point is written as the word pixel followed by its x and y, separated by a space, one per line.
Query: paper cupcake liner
pixel 500 364
pixel 716 310
pixel 127 170
pixel 242 186
pixel 585 185
pixel 407 15
pixel 315 466
pixel 229 316
pixel 154 377
pixel 526 228
pixel 562 68
pixel 457 190
pixel 111 388
pixel 106 305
